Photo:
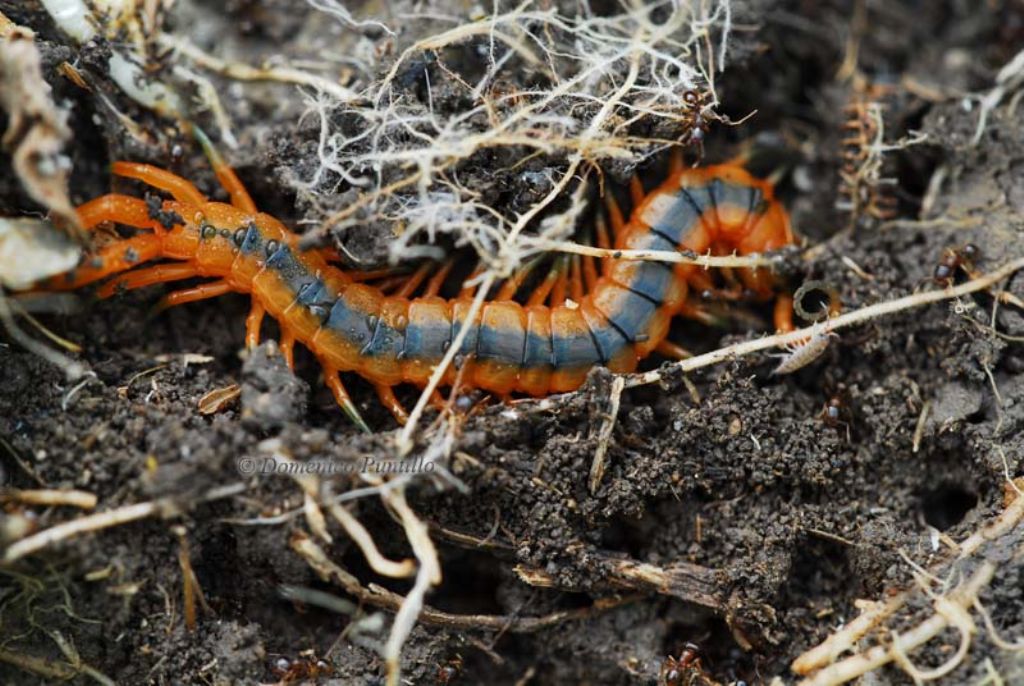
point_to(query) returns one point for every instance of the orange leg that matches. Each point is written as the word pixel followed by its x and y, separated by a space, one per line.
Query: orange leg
pixel 783 313
pixel 576 280
pixel 541 294
pixel 414 281
pixel 141 278
pixel 203 291
pixel 181 189
pixel 698 312
pixel 288 347
pixel 388 400
pixel 253 323
pixel 437 401
pixel 240 197
pixel 636 190
pixel 675 161
pixel 589 272
pixel 511 286
pixel 341 396
pixel 437 280
pixel 670 349
pixel 468 292
pixel 614 214
pixel 559 287
pixel 115 207
pixel 391 284
pixel 370 275
pixel 601 230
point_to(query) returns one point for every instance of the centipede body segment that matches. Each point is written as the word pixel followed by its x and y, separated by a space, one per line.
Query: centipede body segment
pixel 612 313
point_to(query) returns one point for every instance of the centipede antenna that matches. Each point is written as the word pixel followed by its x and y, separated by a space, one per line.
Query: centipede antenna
pixel 140 278
pixel 121 209
pixel 240 197
pixel 182 189
pixel 544 289
pixel 437 280
pixel 213 289
pixel 636 190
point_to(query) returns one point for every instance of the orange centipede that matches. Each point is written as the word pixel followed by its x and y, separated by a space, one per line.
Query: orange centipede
pixel 573 320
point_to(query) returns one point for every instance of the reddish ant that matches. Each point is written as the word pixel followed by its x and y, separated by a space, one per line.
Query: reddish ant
pixel 836 413
pixel 450 671
pixel 674 670
pixel 697 125
pixel 306 666
pixel 954 259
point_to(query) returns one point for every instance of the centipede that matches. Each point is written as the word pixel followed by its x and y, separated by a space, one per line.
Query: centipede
pixel 579 315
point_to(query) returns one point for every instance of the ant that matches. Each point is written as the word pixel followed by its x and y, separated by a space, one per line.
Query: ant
pixel 836 413
pixel 450 671
pixel 673 670
pixel 954 259
pixel 306 666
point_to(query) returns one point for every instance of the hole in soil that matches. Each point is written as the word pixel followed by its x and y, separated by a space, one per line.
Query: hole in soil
pixel 820 572
pixel 947 505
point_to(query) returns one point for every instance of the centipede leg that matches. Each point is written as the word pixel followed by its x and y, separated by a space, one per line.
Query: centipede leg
pixel 437 280
pixel 636 190
pixel 675 161
pixel 467 292
pixel 288 347
pixel 699 313
pixel 670 349
pixel 369 275
pixel 182 189
pixel 544 289
pixel 342 397
pixel 511 286
pixel 576 280
pixel 414 281
pixel 149 276
pixel 560 284
pixel 253 323
pixel 203 291
pixel 614 214
pixel 394 406
pixel 589 272
pixel 437 401
pixel 240 197
pixel 783 313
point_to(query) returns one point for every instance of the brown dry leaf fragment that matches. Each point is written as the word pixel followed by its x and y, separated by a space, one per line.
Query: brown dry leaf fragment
pixel 37 129
pixel 219 399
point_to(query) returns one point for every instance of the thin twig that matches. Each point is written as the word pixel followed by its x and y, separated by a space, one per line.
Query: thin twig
pixel 843 321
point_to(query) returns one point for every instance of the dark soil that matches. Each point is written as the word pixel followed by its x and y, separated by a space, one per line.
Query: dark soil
pixel 773 521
